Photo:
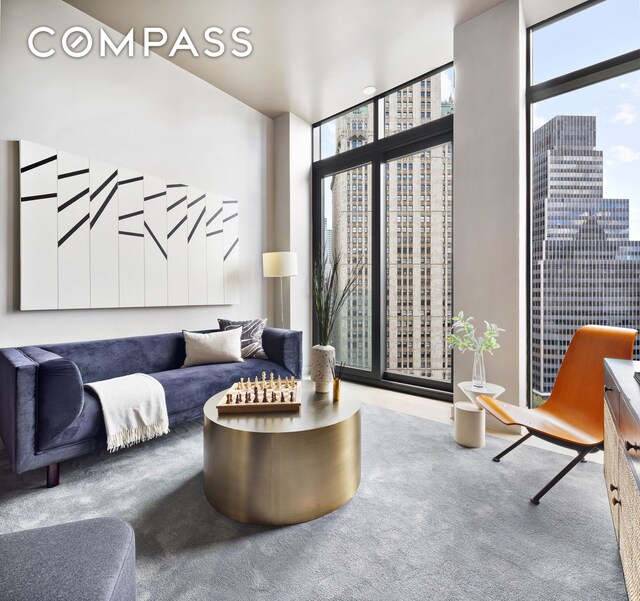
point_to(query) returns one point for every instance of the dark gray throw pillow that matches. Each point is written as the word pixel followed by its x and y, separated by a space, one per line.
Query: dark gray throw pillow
pixel 251 337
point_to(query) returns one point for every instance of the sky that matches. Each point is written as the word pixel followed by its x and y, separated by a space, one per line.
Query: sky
pixel 600 32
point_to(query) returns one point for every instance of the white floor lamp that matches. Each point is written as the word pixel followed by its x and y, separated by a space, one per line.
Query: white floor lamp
pixel 280 265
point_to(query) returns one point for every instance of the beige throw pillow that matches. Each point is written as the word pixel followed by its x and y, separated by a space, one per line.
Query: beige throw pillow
pixel 215 347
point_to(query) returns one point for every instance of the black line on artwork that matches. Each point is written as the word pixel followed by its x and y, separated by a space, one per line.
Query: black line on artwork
pixel 103 185
pixel 183 220
pixel 229 218
pixel 176 185
pixel 69 202
pixel 146 226
pixel 176 203
pixel 127 215
pixel 229 202
pixel 131 180
pixel 104 205
pixel 131 234
pixel 38 197
pixel 73 173
pixel 214 233
pixel 193 229
pixel 195 201
pixel 230 249
pixel 217 213
pixel 158 195
pixel 38 164
pixel 73 230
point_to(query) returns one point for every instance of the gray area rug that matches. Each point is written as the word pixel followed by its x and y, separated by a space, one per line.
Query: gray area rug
pixel 431 520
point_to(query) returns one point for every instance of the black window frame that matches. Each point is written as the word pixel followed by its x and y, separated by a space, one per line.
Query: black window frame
pixel 377 153
pixel 557 86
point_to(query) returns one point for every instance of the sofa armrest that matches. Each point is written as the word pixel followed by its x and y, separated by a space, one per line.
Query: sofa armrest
pixel 60 396
pixel 18 385
pixel 284 347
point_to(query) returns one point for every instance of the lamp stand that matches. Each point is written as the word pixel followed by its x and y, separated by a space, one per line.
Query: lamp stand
pixel 281 305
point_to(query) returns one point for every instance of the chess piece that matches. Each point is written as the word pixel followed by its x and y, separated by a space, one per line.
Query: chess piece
pixel 238 399
pixel 291 397
pixel 241 383
pixel 247 397
pixel 271 379
pixel 229 397
pixel 279 382
pixel 282 397
pixel 255 390
pixel 273 396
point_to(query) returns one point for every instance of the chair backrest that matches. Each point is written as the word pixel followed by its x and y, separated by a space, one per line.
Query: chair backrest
pixel 578 393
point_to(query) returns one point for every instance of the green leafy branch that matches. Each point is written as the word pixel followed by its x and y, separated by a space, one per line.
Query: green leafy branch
pixel 463 336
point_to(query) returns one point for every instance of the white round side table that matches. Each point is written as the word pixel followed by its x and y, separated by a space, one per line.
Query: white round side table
pixel 469 418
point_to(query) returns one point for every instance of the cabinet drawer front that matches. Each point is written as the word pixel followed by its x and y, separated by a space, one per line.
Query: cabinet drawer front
pixel 611 453
pixel 629 429
pixel 611 393
pixel 629 528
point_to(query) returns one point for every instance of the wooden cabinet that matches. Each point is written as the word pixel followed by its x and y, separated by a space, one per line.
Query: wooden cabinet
pixel 622 464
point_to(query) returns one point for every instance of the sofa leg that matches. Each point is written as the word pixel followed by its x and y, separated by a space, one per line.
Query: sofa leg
pixel 53 475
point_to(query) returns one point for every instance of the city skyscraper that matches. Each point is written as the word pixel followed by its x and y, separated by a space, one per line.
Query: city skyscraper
pixel 585 270
pixel 417 195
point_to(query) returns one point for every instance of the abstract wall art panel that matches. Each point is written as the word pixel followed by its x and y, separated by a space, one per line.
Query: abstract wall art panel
pixel 155 242
pixel 197 242
pixel 74 244
pixel 97 235
pixel 131 238
pixel 38 227
pixel 231 255
pixel 215 250
pixel 103 227
pixel 177 232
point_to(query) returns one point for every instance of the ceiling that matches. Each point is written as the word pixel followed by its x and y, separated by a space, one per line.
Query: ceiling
pixel 310 57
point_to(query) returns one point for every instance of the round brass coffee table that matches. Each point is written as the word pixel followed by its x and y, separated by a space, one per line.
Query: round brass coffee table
pixel 282 468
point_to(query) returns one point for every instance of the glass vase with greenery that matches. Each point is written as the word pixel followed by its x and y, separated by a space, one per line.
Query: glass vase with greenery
pixel 463 337
pixel 330 292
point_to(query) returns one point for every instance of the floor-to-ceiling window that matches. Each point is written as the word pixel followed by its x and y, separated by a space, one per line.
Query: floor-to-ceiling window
pixel 584 95
pixel 383 194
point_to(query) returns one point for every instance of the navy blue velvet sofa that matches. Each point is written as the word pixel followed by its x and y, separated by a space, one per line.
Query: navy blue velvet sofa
pixel 46 415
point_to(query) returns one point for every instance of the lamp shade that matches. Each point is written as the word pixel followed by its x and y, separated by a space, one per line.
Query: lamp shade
pixel 279 264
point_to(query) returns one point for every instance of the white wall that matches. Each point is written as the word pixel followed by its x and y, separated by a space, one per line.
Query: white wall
pixel 140 113
pixel 489 217
pixel 291 218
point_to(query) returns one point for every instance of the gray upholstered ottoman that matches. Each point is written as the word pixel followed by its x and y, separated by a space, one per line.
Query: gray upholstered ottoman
pixel 91 560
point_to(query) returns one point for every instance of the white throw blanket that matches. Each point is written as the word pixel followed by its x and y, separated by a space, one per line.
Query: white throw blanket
pixel 134 409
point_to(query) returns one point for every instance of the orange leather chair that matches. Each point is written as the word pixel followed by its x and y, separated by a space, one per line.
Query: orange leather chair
pixel 573 415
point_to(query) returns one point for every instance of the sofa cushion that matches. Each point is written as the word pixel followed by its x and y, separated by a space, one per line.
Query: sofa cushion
pixel 88 424
pixel 251 341
pixel 192 386
pixel 105 359
pixel 214 347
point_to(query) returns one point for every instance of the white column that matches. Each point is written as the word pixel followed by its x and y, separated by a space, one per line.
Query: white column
pixel 291 224
pixel 489 229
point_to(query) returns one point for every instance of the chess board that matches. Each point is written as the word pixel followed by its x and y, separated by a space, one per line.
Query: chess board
pixel 241 398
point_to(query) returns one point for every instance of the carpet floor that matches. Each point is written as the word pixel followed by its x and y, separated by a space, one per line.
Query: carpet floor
pixel 431 520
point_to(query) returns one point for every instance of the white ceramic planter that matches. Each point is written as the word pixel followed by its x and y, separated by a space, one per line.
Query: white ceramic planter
pixel 321 359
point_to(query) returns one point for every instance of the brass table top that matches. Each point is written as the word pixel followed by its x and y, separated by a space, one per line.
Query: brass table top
pixel 317 411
